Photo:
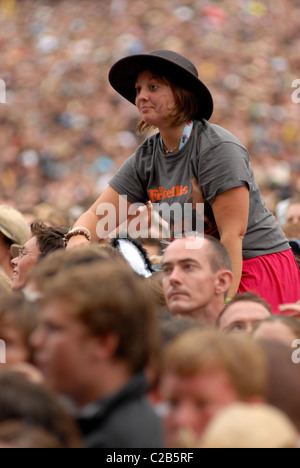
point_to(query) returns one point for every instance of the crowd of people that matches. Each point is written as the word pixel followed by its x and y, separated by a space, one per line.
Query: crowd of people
pixel 95 355
pixel 63 130
pixel 139 343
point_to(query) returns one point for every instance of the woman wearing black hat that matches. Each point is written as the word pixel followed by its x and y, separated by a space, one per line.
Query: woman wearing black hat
pixel 192 163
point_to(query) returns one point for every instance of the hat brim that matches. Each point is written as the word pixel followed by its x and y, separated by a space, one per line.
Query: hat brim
pixel 124 73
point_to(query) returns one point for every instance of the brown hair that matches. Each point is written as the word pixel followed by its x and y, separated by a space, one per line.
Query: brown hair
pixel 245 297
pixel 64 260
pixel 186 107
pixel 241 358
pixel 109 298
pixel 218 256
pixel 283 379
pixel 15 311
pixel 290 322
pixel 154 284
pixel 48 238
pixel 18 434
pixel 22 400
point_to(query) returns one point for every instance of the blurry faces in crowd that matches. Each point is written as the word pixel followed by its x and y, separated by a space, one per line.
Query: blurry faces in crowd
pixel 244 426
pixel 194 401
pixel 279 329
pixel 204 372
pixel 193 285
pixel 45 421
pixel 293 213
pixel 83 343
pixel 18 320
pixel 65 350
pixel 44 240
pixel 15 345
pixel 243 313
pixel 24 263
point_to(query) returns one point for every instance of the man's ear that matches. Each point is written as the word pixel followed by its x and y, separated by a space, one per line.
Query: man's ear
pixel 224 280
pixel 105 346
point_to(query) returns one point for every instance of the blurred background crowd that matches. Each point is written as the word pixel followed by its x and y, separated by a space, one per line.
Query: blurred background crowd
pixel 64 131
pixel 80 324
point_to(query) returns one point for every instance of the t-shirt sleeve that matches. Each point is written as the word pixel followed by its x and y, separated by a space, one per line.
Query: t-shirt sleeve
pixel 223 168
pixel 127 182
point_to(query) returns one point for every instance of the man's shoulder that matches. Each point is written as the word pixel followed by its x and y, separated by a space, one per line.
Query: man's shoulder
pixel 133 424
pixel 124 420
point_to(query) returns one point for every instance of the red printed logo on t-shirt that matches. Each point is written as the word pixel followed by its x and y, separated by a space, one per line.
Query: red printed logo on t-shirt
pixel 162 194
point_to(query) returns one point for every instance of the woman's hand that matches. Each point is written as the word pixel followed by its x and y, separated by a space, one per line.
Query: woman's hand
pixel 77 241
pixel 96 223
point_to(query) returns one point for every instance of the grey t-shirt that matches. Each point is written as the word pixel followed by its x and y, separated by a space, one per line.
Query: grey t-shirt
pixel 212 162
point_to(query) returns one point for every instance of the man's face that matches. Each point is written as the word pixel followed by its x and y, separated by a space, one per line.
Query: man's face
pixel 189 282
pixel 63 348
pixel 241 317
pixel 194 402
pixel 17 351
pixel 23 264
pixel 277 332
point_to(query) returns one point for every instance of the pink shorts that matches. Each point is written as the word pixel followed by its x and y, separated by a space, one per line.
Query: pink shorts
pixel 275 277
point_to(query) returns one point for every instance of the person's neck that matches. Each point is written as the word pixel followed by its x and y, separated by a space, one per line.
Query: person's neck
pixel 171 137
pixel 108 380
pixel 209 313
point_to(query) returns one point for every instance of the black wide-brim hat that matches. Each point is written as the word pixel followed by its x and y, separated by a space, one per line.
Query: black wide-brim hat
pixel 177 68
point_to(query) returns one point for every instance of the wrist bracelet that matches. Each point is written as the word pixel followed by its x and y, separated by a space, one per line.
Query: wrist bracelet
pixel 78 231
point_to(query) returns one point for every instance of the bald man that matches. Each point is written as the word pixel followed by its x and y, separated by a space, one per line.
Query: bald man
pixel 196 278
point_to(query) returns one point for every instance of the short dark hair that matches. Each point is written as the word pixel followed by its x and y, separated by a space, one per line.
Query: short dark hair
pixel 22 400
pixel 245 297
pixel 48 238
pixel 171 328
pixel 219 256
pixel 64 260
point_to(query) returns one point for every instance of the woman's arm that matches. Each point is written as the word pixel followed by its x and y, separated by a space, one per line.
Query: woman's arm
pixel 231 211
pixel 118 208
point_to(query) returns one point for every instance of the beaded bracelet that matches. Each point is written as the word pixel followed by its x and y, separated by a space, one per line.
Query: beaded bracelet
pixel 78 231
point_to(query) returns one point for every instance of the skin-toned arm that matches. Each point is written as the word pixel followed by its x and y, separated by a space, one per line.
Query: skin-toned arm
pixel 91 219
pixel 231 211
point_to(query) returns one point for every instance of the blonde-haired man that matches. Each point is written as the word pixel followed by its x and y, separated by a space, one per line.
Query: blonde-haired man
pixel 203 373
